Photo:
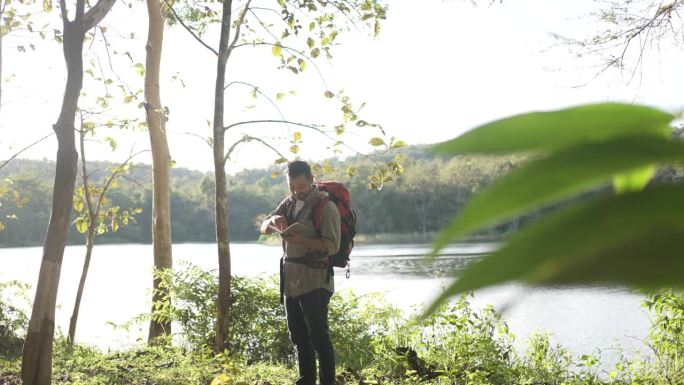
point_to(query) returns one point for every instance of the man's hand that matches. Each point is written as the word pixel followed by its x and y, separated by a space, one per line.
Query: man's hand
pixel 277 221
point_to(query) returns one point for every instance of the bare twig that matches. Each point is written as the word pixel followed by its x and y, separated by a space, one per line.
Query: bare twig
pixel 204 139
pixel 246 139
pixel 180 20
pixel 311 126
pixel 240 20
pixel 24 149
pixel 256 89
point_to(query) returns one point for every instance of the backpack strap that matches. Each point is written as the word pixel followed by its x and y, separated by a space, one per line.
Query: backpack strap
pixel 317 212
pixel 316 216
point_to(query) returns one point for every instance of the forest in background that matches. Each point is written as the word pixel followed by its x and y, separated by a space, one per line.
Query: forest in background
pixel 430 192
pixel 422 200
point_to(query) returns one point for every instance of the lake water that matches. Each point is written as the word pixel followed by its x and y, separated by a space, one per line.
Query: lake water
pixel 584 320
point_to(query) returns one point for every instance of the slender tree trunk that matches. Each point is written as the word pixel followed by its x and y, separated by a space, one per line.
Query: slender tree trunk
pixel 90 237
pixel 161 160
pixel 1 66
pixel 221 198
pixel 36 365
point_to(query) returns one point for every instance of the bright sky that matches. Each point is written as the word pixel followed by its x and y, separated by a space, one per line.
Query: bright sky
pixel 437 69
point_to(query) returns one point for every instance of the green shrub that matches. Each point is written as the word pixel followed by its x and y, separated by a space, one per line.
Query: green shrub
pixel 160 364
pixel 13 319
pixel 258 328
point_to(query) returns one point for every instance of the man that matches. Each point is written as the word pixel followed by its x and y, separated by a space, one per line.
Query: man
pixel 306 280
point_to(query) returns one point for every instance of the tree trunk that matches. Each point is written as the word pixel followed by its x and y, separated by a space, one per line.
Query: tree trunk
pixel 221 197
pixel 0 67
pixel 161 161
pixel 36 365
pixel 79 294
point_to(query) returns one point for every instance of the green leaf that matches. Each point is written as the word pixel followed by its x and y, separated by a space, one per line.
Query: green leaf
pixel 399 144
pixel 112 142
pixel 310 42
pixel 632 239
pixel 376 29
pixel 312 25
pixel 634 180
pixel 47 5
pixel 140 68
pixel 280 96
pixel 560 175
pixel 329 94
pixel 376 142
pixel 277 50
pixel 81 225
pixel 562 128
pixel 294 149
pixel 280 161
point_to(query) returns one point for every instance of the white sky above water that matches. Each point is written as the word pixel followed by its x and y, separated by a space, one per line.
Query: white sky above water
pixel 437 69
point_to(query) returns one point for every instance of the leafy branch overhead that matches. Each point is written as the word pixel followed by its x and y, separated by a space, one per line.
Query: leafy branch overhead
pixel 629 237
pixel 298 34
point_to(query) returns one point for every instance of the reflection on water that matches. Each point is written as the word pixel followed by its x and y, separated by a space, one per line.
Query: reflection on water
pixel 581 319
pixel 409 261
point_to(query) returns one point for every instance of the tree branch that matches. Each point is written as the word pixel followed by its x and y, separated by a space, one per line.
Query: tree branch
pixel 256 89
pixel 190 31
pixel 97 13
pixel 24 149
pixel 204 139
pixel 263 25
pixel 63 12
pixel 86 187
pixel 246 139
pixel 113 176
pixel 311 126
pixel 241 19
pixel 80 11
pixel 290 49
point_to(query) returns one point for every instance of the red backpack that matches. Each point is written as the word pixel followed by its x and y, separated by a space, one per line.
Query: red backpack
pixel 339 195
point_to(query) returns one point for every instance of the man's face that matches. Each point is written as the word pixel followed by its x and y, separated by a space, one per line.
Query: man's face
pixel 300 186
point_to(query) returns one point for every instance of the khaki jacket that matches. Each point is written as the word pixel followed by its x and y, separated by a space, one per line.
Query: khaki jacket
pixel 300 279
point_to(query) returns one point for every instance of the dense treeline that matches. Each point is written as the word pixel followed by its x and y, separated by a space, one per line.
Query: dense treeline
pixel 431 190
pixel 429 193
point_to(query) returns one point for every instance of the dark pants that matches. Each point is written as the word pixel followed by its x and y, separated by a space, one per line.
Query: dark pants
pixel 307 322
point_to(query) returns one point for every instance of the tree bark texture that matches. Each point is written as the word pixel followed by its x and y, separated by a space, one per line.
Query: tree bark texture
pixel 221 197
pixel 36 364
pixel 1 68
pixel 73 321
pixel 161 160
pixel 36 368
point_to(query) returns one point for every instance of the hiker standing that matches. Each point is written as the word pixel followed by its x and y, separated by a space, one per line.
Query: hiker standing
pixel 306 277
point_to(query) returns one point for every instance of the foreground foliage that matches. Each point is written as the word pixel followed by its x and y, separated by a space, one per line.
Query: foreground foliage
pixel 631 236
pixel 458 344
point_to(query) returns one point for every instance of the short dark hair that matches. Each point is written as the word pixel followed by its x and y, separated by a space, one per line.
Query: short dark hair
pixel 297 168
